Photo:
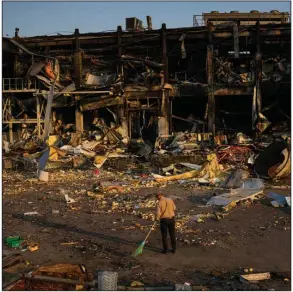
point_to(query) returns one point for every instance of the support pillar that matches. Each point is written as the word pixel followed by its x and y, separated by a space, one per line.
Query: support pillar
pixel 149 23
pixel 54 117
pixel 77 73
pixel 78 116
pixel 165 108
pixel 77 60
pixel 10 120
pixel 38 117
pixel 10 132
pixel 257 96
pixel 258 68
pixel 236 40
pixel 120 107
pixel 47 122
pixel 211 96
pixel 119 52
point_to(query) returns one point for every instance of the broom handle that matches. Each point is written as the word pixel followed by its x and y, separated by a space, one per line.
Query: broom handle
pixel 150 231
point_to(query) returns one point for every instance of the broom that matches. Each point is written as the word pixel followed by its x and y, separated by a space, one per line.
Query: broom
pixel 141 246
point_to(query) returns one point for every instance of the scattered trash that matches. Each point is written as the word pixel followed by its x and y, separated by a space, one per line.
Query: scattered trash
pixel 14 241
pixel 136 284
pixel 43 176
pixel 69 200
pixel 279 200
pixel 249 190
pixel 183 287
pixel 79 288
pixel 200 217
pixel 33 247
pixel 69 243
pixel 31 213
pixel 254 278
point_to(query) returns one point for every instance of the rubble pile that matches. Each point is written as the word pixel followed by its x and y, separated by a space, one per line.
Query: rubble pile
pixel 71 149
pixel 92 150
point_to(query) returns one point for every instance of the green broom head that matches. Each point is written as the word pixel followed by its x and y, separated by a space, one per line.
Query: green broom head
pixel 139 250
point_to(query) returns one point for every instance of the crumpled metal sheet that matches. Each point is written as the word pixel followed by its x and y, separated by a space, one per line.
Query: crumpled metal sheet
pixel 100 81
pixel 71 87
pixel 263 123
pixel 250 188
pixel 274 161
pixel 35 68
pixel 145 150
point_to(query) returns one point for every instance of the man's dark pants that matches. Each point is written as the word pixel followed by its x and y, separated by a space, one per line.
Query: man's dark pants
pixel 165 225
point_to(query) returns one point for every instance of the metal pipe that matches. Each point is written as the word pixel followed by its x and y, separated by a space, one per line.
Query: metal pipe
pixel 22 121
pixel 85 92
pixel 59 280
pixel 75 92
pixel 27 51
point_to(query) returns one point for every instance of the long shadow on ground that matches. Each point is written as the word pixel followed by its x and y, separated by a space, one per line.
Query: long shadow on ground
pixel 45 223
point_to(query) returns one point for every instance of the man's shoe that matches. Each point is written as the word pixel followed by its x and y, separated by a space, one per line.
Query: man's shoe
pixel 164 251
pixel 173 250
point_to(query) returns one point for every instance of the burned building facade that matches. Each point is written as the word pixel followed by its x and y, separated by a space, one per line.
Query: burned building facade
pixel 214 79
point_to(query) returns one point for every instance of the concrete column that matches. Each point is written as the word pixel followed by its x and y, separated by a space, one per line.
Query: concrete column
pixel 10 132
pixel 78 117
pixel 211 96
pixel 120 107
pixel 77 60
pixel 165 107
pixel 38 117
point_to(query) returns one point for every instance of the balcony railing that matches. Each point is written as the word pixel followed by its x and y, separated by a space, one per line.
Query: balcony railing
pixel 18 85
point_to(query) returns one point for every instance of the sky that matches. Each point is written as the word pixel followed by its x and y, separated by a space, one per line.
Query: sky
pixel 45 18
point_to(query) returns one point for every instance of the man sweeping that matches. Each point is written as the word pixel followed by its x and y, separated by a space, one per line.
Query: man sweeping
pixel 166 214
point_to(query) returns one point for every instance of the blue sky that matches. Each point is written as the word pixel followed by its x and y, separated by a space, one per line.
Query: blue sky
pixel 40 18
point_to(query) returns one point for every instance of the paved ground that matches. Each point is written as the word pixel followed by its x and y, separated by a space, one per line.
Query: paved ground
pixel 252 235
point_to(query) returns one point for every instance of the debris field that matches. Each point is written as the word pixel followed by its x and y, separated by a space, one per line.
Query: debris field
pixel 94 125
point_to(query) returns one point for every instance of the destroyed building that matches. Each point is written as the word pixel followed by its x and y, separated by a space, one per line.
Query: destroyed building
pixel 215 79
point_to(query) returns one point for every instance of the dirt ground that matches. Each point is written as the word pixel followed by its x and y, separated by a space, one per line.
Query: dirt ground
pixel 214 254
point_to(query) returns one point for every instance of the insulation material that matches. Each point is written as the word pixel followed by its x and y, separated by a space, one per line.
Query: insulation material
pixel 211 167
